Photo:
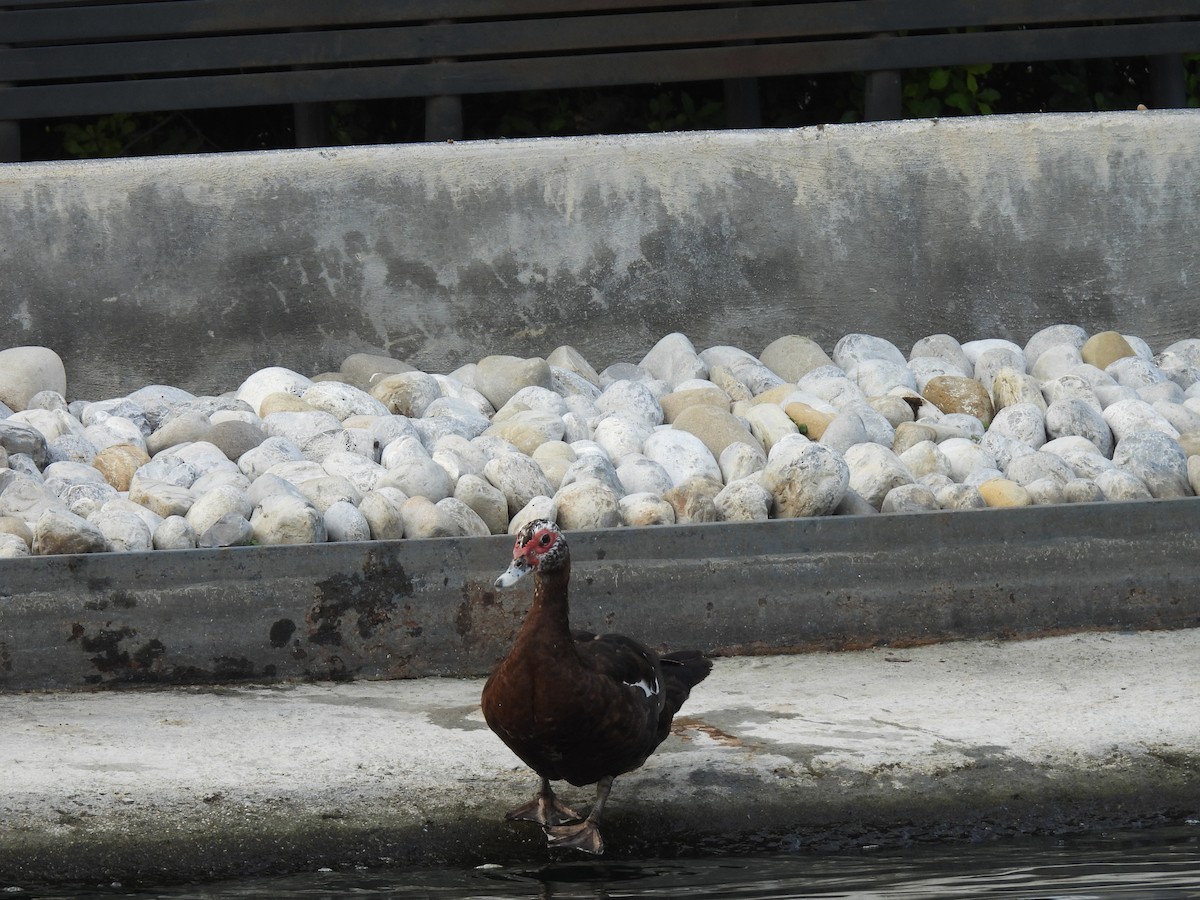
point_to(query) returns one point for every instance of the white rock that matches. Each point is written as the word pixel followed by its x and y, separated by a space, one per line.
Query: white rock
pixel 174 534
pixel 419 476
pixel 344 522
pixel 499 377
pixel 27 371
pixel 621 437
pixel 972 350
pixel 326 490
pixel 1051 336
pixel 966 457
pixel 643 509
pixel 1082 490
pixel 960 496
pixel 909 498
pixel 359 441
pixel 1135 372
pixel 1010 387
pixel 274 450
pixel 682 455
pixel 1004 449
pixel 846 430
pixel 362 472
pixel 467 520
pixel 925 368
pixel 52 424
pixel 1182 418
pixel 1117 484
pixel 1022 422
pixel 874 471
pixel 1157 461
pixel 944 347
pixel 854 349
pixel 554 458
pixel 633 400
pixel 213 504
pixel 570 359
pixel 744 500
pixel 1073 416
pixel 674 359
pixel 878 376
pixel 640 475
pixel 537 508
pixel 536 398
pixel 274 379
pixel 995 360
pixel 737 461
pixel 284 519
pixel 110 431
pixel 87 498
pixel 123 529
pixel 831 385
pixel 1055 362
pixel 1128 417
pixel 586 504
pixel 487 502
pixel 519 478
pixel 925 458
pixel 1025 470
pixel 805 479
pixel 593 466
pixel 528 429
pixel 1046 491
pixel 299 427
pixel 219 477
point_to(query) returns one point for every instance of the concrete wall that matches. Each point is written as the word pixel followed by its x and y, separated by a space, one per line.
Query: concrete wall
pixel 196 271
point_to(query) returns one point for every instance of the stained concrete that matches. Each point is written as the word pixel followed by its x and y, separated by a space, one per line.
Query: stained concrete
pixel 417 608
pixel 824 750
pixel 439 254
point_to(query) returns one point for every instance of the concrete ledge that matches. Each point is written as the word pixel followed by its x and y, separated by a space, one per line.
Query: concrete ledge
pixel 406 609
pixel 826 750
pixel 440 254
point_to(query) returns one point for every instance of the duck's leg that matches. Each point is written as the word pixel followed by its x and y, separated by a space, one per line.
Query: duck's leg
pixel 545 808
pixel 583 835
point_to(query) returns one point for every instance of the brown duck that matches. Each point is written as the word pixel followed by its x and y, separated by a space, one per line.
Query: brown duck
pixel 573 705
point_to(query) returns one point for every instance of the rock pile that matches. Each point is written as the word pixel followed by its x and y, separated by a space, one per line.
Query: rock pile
pixel 381 451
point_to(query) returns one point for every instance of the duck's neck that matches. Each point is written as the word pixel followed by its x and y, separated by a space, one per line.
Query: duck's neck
pixel 548 619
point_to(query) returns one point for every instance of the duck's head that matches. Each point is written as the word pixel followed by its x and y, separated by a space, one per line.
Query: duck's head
pixel 540 546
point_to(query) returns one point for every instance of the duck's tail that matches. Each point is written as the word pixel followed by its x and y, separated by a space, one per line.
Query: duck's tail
pixel 682 671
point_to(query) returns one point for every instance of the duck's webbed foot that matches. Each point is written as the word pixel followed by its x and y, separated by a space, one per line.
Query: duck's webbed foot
pixel 583 836
pixel 545 809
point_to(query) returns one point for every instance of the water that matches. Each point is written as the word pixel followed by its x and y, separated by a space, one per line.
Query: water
pixel 1155 864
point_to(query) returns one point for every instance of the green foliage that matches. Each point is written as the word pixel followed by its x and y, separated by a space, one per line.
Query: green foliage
pixel 960 90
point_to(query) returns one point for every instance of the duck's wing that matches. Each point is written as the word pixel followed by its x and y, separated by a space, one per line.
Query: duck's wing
pixel 621 659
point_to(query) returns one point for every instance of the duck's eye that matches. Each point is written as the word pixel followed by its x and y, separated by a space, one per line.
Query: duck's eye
pixel 545 541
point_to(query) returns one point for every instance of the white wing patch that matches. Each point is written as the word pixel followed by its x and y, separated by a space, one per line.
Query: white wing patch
pixel 646 687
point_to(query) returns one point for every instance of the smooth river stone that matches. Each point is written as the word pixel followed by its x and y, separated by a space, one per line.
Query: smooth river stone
pixel 854 349
pixel 1010 387
pixel 343 400
pixel 1075 417
pixel 793 356
pixel 118 464
pixel 271 380
pixel 60 531
pixel 1001 492
pixel 952 394
pixel 1156 460
pixel 643 509
pixel 519 479
pixel 529 429
pixel 682 455
pixel 364 370
pixel 633 400
pixel 174 534
pixel 1051 336
pixel 570 359
pixel 810 421
pixel 805 479
pixel 28 371
pixel 640 475
pixel 995 360
pixel 944 347
pixel 284 519
pixel 1105 348
pixel 673 360
pixel 587 503
pixel 965 457
pixel 909 498
pixel 675 403
pixel 694 500
pixel 1023 422
pixel 621 437
pixel 715 427
pixel 499 377
pixel 744 500
pixel 1126 417
pixel 874 471
pixel 488 502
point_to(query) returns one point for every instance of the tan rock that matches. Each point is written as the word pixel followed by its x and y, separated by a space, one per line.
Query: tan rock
pixel 810 421
pixel 13 525
pixel 1011 387
pixel 118 464
pixel 1000 492
pixel 793 356
pixel 676 402
pixel 1105 348
pixel 909 434
pixel 694 500
pixel 775 395
pixel 715 428
pixel 956 394
pixel 281 401
pixel 406 393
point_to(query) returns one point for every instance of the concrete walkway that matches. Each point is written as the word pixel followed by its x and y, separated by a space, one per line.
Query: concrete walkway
pixel 826 750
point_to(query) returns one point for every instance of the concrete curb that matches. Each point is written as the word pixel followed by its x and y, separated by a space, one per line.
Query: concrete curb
pixel 421 608
pixel 961 740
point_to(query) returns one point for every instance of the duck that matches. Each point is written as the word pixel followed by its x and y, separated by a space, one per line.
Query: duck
pixel 573 705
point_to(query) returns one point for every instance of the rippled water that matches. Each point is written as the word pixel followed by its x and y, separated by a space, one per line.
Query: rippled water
pixel 1158 864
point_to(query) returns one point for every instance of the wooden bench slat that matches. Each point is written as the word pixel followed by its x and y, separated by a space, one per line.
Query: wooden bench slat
pixel 692 64
pixel 183 17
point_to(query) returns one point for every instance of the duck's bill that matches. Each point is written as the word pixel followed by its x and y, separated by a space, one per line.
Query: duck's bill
pixel 515 572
